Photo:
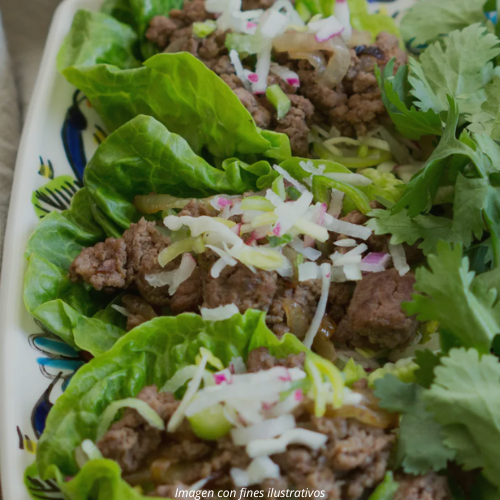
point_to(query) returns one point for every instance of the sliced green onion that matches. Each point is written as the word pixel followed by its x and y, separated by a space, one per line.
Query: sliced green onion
pixel 279 100
pixel 265 219
pixel 311 229
pixel 375 157
pixel 363 151
pixel 334 376
pixel 141 407
pixel 210 424
pixel 386 489
pixel 257 203
pixel 202 30
pixel 278 187
pixel 261 257
pixel 319 392
pixel 179 379
pixel 180 247
pixel 211 359
pixel 293 193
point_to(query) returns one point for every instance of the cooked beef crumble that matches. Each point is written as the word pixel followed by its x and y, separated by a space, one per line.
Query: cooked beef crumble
pixel 353 461
pixel 428 487
pixel 368 313
pixel 354 106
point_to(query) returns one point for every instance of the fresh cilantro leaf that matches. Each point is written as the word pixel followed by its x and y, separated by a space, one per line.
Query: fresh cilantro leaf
pixel 276 241
pixel 449 294
pixel 459 66
pixel 408 120
pixel 420 446
pixel 422 188
pixel 488 119
pixel 473 199
pixel 427 362
pixel 404 229
pixel 465 399
pixel 429 19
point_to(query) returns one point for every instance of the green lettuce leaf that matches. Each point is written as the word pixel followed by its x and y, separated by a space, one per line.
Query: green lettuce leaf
pixel 149 354
pixel 206 112
pixel 459 67
pixel 96 38
pixel 138 13
pixel 142 157
pixel 450 294
pixel 65 308
pixel 427 19
pixel 407 119
pixel 420 447
pixel 465 399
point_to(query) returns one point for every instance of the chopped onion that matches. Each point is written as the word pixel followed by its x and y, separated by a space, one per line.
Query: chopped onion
pixel 141 407
pixel 285 74
pixel 338 257
pixel 288 213
pixel 321 308
pixel 87 451
pixel 219 313
pixel 399 258
pixel 287 405
pixel 238 67
pixel 237 365
pixel 325 29
pixel 264 430
pixel 375 262
pixel 249 410
pixel 336 203
pixel 308 271
pixel 304 437
pixel 311 253
pixel 294 182
pixel 347 242
pixel 353 272
pixel 289 8
pixel 262 69
pixel 343 227
pixel 344 17
pixel 344 260
pixel 260 468
pixel 272 24
pixel 182 376
pixel 173 278
pixel 193 386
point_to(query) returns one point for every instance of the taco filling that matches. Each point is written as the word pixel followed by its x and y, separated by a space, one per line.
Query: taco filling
pixel 326 279
pixel 307 80
pixel 253 426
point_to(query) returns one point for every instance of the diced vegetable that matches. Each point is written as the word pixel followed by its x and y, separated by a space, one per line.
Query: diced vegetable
pixel 279 100
pixel 202 30
pixel 211 423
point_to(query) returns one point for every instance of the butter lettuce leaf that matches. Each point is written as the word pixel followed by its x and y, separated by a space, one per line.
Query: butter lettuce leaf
pixel 180 92
pixel 65 308
pixel 142 157
pixel 96 38
pixel 149 354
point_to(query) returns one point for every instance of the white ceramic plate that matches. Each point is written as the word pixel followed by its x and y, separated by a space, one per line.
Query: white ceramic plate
pixel 34 366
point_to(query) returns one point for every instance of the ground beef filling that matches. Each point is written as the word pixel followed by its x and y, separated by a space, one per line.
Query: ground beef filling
pixel 351 464
pixel 354 106
pixel 368 313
